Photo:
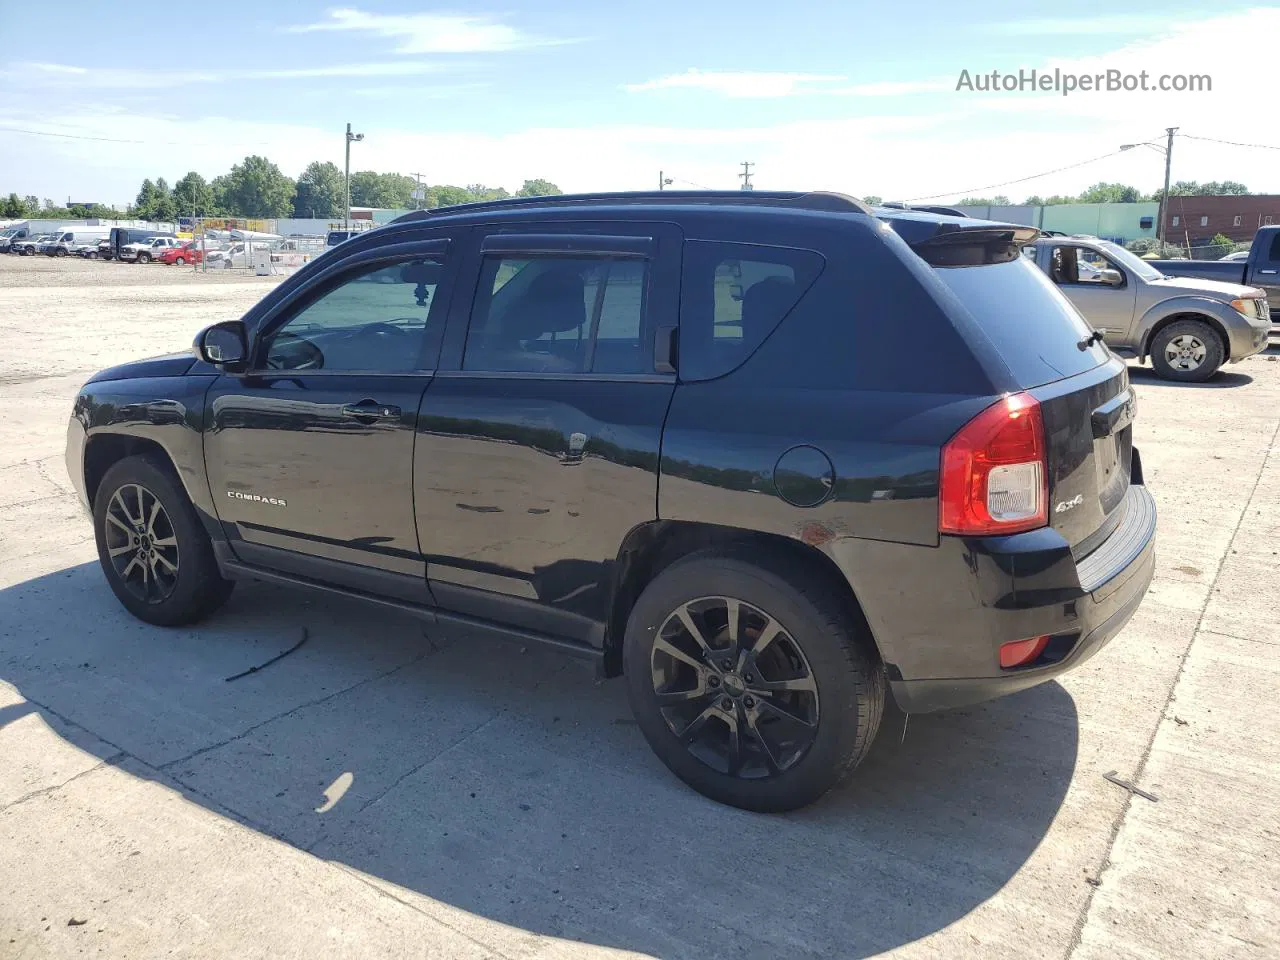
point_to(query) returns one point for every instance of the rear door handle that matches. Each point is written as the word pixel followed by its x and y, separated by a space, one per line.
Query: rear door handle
pixel 370 410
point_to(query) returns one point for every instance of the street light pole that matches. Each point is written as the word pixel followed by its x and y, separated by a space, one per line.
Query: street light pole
pixel 346 219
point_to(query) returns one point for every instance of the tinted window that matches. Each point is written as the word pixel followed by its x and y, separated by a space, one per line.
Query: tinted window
pixel 1036 329
pixel 733 295
pixel 1274 255
pixel 559 315
pixel 381 320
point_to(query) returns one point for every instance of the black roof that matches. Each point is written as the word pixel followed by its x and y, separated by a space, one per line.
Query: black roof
pixel 916 225
pixel 793 199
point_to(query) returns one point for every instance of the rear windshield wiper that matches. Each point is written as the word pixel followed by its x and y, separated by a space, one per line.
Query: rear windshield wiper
pixel 1090 340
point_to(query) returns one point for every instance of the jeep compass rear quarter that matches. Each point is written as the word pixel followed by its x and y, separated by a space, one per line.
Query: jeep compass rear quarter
pixel 772 456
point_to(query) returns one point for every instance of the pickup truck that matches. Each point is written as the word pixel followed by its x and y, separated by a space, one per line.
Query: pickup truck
pixel 1261 269
pixel 1188 327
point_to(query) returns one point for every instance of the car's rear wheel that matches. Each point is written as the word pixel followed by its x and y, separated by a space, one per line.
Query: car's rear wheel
pixel 1187 350
pixel 751 682
pixel 157 557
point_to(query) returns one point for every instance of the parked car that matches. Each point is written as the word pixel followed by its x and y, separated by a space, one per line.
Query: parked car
pixel 1188 328
pixel 144 251
pixel 898 465
pixel 1261 267
pixel 29 245
pixel 188 252
pixel 122 237
pixel 1237 255
pixel 336 237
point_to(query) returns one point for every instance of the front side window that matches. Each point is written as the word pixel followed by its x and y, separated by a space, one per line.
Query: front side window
pixel 733 295
pixel 1081 265
pixel 381 320
pixel 559 314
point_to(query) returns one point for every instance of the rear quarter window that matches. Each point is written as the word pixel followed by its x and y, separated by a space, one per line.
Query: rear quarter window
pixel 1036 330
pixel 733 295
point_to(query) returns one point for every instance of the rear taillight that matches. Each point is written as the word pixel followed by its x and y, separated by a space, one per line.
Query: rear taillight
pixel 994 474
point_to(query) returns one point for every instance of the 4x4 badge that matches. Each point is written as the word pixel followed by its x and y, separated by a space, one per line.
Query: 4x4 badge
pixel 1066 505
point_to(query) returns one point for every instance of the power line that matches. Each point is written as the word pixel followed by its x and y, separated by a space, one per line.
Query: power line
pixel 1009 183
pixel 1231 143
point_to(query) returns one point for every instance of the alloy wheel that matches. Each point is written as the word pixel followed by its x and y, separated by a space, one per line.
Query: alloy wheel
pixel 1185 352
pixel 141 543
pixel 734 686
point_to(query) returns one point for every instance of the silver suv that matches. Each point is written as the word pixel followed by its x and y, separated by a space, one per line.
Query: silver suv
pixel 1188 327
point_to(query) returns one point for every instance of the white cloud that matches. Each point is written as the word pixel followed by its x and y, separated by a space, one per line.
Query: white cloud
pixel 118 78
pixel 953 141
pixel 731 83
pixel 1088 22
pixel 429 32
pixel 746 84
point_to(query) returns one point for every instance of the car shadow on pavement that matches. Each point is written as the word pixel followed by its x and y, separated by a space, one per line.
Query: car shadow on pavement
pixel 1219 381
pixel 506 782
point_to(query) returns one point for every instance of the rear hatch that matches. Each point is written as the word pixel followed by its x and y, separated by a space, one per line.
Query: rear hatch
pixel 1086 402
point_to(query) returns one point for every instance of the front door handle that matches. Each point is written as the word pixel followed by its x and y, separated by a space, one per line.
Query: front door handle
pixel 1266 271
pixel 367 411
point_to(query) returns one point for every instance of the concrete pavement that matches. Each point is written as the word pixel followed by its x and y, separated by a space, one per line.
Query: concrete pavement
pixel 386 791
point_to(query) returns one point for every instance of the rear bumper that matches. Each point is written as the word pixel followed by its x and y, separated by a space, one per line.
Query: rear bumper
pixel 939 615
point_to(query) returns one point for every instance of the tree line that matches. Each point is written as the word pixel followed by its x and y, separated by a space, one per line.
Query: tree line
pixel 1103 192
pixel 257 188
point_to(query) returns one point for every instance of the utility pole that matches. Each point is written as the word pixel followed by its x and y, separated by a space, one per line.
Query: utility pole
pixel 346 219
pixel 746 175
pixel 663 181
pixel 1164 199
pixel 419 196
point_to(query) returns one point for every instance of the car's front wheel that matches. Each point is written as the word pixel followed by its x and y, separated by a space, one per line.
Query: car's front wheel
pixel 179 261
pixel 157 557
pixel 752 683
pixel 1187 350
pixel 144 258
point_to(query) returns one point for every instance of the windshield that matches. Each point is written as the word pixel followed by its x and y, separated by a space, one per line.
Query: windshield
pixel 1130 261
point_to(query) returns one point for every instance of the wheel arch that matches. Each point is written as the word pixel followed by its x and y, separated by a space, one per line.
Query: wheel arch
pixel 103 450
pixel 651 547
pixel 1192 310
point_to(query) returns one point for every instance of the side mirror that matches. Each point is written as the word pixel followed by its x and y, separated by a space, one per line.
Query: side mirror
pixel 1113 278
pixel 223 345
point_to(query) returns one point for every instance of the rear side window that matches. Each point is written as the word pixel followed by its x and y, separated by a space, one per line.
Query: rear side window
pixel 733 295
pixel 559 315
pixel 1034 327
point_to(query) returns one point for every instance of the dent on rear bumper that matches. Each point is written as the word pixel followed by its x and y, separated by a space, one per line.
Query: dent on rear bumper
pixel 926 696
pixel 939 614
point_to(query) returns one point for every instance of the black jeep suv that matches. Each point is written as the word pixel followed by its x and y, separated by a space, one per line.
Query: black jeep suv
pixel 770 456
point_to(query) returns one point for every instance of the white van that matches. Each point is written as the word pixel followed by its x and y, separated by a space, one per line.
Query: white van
pixel 70 241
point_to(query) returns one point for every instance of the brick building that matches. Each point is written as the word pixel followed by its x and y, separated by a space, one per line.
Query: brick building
pixel 1199 219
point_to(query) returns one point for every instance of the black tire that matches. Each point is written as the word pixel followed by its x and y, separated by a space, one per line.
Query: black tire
pixel 820 639
pixel 195 589
pixel 60 252
pixel 1201 351
pixel 144 258
pixel 179 262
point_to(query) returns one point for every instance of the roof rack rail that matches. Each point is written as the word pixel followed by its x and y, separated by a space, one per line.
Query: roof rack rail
pixel 813 200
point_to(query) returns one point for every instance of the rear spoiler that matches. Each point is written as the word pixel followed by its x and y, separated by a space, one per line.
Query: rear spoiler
pixel 959 241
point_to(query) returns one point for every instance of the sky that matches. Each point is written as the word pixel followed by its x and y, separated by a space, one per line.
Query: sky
pixel 850 96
